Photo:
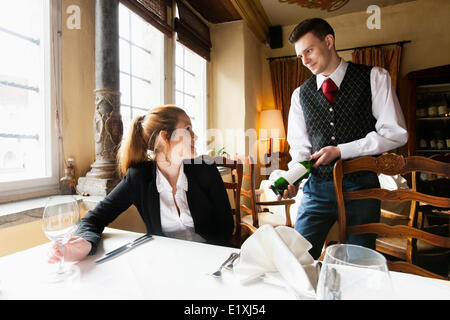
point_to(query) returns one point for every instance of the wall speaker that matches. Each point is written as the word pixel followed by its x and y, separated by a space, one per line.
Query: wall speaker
pixel 275 37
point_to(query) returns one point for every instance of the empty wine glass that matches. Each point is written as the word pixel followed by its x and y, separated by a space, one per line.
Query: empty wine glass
pixel 59 222
pixel 353 272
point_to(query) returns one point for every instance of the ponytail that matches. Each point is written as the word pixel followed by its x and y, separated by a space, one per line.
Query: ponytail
pixel 133 149
pixel 143 136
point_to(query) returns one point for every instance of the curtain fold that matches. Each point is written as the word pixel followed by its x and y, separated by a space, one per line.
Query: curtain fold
pixel 387 58
pixel 286 75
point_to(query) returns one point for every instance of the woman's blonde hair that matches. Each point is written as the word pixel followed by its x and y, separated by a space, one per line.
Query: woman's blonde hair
pixel 143 133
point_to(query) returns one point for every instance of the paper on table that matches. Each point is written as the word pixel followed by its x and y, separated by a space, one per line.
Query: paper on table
pixel 281 253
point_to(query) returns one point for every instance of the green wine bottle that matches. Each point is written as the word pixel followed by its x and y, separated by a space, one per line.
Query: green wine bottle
pixel 294 175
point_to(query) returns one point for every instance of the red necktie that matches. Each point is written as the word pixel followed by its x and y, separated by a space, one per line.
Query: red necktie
pixel 329 89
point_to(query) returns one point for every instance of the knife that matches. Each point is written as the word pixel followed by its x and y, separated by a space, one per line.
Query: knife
pixel 127 244
pixel 125 248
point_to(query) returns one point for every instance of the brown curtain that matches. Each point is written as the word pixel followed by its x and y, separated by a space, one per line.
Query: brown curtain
pixel 387 58
pixel 287 75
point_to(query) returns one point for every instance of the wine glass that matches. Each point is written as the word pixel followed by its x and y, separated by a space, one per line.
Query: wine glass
pixel 353 272
pixel 59 223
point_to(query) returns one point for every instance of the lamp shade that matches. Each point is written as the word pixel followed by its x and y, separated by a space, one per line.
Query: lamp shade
pixel 272 120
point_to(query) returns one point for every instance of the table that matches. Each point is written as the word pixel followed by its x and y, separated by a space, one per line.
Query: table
pixel 161 269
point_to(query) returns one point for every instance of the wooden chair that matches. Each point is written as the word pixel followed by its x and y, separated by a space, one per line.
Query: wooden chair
pixel 236 172
pixel 255 216
pixel 392 164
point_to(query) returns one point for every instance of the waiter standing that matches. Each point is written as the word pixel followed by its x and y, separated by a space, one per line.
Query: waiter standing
pixel 343 111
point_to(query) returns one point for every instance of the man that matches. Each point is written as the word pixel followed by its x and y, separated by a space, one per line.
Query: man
pixel 343 111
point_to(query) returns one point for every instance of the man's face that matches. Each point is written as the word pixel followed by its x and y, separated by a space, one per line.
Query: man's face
pixel 315 53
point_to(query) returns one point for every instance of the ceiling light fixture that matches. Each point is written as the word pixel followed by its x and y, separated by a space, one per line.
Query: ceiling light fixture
pixel 329 5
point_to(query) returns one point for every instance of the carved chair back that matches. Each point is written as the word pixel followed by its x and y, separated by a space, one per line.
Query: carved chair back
pixel 392 164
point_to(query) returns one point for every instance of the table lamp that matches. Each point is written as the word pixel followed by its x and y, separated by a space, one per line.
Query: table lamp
pixel 272 121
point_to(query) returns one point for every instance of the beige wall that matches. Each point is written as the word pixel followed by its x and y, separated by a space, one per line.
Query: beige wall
pixel 78 84
pixel 421 21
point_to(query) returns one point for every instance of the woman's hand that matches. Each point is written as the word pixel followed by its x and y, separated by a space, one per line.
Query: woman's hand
pixel 76 249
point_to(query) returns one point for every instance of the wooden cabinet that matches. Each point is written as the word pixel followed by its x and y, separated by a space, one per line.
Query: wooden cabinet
pixel 423 94
pixel 426 104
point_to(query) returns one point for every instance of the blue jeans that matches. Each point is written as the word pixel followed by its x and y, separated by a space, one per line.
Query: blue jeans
pixel 318 211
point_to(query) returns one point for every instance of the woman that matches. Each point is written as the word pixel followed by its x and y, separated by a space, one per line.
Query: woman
pixel 174 198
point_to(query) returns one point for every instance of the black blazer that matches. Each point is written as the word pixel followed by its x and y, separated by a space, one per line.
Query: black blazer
pixel 206 195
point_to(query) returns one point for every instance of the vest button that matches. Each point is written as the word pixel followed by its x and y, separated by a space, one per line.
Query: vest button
pixel 333 138
pixel 331 123
pixel 331 109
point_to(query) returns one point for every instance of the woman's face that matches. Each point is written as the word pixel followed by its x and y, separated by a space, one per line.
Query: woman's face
pixel 182 141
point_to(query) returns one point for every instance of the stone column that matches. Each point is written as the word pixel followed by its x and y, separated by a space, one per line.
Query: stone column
pixel 108 127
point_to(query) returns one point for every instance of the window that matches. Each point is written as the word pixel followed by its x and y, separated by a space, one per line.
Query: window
pixel 28 91
pixel 141 66
pixel 190 90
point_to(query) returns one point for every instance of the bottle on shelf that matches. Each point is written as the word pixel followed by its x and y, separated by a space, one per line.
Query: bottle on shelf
pixel 421 110
pixel 432 141
pixel 442 106
pixel 294 175
pixel 432 106
pixel 440 141
pixel 447 135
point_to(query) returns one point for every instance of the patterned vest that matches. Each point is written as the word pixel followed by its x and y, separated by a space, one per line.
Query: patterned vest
pixel 349 119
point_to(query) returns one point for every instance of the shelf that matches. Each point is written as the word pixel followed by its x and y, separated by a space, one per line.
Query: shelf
pixel 432 118
pixel 440 87
pixel 433 151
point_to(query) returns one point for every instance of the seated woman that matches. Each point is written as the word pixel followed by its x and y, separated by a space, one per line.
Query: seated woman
pixel 179 198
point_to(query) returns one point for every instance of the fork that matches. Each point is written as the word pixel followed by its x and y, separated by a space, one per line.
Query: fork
pixel 230 265
pixel 218 273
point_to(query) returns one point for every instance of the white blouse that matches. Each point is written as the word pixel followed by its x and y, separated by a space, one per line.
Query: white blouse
pixel 390 128
pixel 174 225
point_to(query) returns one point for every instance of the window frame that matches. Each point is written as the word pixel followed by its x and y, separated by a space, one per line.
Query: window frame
pixel 163 77
pixel 27 188
pixel 204 107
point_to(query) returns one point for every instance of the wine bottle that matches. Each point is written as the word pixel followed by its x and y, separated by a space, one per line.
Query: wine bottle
pixel 294 175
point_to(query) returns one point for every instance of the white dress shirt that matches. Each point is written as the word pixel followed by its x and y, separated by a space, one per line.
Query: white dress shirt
pixel 390 128
pixel 174 225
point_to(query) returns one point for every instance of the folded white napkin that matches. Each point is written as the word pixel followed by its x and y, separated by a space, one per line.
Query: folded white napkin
pixel 279 253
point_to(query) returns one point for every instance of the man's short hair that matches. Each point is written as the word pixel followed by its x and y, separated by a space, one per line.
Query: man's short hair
pixel 318 27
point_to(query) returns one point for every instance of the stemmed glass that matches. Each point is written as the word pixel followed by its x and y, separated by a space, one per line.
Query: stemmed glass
pixel 59 223
pixel 353 272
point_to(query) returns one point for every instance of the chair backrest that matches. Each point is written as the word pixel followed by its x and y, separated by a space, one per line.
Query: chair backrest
pixel 392 164
pixel 236 170
pixel 250 194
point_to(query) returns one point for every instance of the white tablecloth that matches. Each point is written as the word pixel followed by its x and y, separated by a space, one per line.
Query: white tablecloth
pixel 161 269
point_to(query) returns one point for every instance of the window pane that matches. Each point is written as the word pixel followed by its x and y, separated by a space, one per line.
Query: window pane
pixel 143 64
pixel 125 89
pixel 179 99
pixel 179 51
pixel 23 92
pixel 124 25
pixel 124 55
pixel 190 84
pixel 125 112
pixel 143 34
pixel 143 87
pixel 192 61
pixel 179 79
pixel 143 94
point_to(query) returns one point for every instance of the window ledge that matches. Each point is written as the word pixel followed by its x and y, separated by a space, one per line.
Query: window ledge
pixel 24 211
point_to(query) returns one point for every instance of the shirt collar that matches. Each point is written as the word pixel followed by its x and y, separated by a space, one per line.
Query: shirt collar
pixel 163 185
pixel 337 76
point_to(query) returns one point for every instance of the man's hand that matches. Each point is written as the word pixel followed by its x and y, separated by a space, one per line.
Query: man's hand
pixel 291 192
pixel 326 155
